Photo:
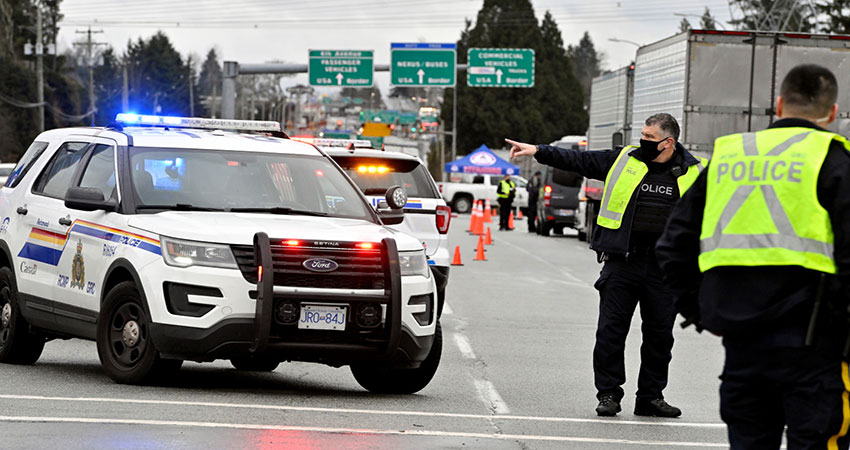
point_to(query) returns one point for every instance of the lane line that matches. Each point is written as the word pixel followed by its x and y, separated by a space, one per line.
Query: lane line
pixel 573 280
pixel 464 346
pixel 447 309
pixel 491 397
pixel 434 433
pixel 659 423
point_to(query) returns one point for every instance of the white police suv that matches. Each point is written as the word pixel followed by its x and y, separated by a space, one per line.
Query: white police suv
pixel 427 217
pixel 167 239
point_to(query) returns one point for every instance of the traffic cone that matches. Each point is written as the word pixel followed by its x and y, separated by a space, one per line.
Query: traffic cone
pixel 511 221
pixel 456 259
pixel 488 212
pixel 479 225
pixel 473 218
pixel 488 240
pixel 519 214
pixel 479 251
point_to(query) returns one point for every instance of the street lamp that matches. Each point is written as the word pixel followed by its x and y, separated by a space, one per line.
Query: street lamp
pixel 625 41
pixel 717 22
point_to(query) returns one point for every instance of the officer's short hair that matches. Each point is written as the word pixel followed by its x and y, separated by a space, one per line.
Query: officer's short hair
pixel 809 90
pixel 666 122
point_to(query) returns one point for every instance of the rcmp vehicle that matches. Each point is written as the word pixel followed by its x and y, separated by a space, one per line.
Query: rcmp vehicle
pixel 167 239
pixel 426 215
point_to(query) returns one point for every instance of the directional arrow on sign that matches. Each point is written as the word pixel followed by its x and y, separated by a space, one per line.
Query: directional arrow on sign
pixel 499 76
pixel 339 78
pixel 421 74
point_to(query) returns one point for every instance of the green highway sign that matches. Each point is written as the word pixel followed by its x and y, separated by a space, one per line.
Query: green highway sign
pixel 500 67
pixel 423 65
pixel 341 67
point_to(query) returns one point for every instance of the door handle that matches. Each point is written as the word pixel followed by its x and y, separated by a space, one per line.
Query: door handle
pixel 65 221
pixel 22 210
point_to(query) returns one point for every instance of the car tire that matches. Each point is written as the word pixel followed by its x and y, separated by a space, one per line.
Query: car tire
pixel 462 204
pixel 558 230
pixel 385 380
pixel 124 344
pixel 545 228
pixel 582 236
pixel 254 364
pixel 18 345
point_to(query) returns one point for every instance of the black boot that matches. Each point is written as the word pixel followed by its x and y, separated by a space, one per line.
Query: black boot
pixel 656 407
pixel 608 406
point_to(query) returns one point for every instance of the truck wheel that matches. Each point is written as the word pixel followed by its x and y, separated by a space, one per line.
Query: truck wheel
pixel 124 344
pixel 462 205
pixel 254 364
pixel 17 344
pixel 383 380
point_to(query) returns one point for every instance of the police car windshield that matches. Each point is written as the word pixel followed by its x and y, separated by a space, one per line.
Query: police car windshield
pixel 216 180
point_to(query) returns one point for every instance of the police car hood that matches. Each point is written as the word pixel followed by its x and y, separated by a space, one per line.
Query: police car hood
pixel 239 228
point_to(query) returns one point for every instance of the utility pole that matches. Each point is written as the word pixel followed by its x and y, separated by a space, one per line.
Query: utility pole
pixel 191 90
pixel 89 60
pixel 39 67
pixel 125 91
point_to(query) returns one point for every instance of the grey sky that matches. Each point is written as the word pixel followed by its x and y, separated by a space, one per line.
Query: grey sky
pixel 253 31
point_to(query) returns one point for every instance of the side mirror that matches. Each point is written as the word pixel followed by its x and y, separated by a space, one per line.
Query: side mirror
pixel 391 211
pixel 88 199
pixel 617 139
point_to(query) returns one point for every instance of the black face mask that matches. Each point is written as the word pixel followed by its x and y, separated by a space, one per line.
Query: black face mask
pixel 649 150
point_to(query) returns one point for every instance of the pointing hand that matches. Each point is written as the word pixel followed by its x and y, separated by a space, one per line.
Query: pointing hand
pixel 521 149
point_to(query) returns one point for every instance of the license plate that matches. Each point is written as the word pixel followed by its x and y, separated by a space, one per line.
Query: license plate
pixel 323 317
pixel 565 212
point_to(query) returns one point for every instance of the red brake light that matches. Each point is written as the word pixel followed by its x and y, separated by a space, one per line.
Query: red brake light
pixel 365 245
pixel 444 218
pixel 292 242
pixel 547 189
pixel 232 163
pixel 547 195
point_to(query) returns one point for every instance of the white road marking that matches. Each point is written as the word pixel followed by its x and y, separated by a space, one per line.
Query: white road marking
pixel 434 433
pixel 573 280
pixel 464 346
pixel 447 309
pixel 656 422
pixel 491 397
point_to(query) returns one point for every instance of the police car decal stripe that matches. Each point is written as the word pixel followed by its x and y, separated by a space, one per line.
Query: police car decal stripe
pixel 47 247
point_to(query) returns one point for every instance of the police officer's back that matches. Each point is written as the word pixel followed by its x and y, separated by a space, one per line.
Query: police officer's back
pixel 767 229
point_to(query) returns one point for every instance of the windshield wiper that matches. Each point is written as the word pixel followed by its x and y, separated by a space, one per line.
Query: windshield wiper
pixel 179 207
pixel 279 210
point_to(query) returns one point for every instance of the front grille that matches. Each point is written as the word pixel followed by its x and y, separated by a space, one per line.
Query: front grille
pixel 358 268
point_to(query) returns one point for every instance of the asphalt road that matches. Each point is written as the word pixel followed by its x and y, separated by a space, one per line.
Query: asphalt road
pixel 515 374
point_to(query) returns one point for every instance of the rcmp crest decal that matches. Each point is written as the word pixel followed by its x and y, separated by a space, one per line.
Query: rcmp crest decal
pixel 78 269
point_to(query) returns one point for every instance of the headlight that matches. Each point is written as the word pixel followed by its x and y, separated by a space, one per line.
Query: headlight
pixel 414 263
pixel 188 253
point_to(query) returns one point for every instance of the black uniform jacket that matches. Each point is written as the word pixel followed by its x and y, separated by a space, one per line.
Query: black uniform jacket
pixel 765 305
pixel 595 165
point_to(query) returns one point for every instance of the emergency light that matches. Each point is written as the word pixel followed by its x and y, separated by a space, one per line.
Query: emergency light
pixel 129 119
pixel 321 142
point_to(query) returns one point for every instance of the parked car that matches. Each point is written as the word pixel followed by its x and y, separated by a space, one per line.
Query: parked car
pixel 462 195
pixel 558 202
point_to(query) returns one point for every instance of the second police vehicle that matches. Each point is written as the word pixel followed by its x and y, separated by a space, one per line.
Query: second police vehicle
pixel 167 239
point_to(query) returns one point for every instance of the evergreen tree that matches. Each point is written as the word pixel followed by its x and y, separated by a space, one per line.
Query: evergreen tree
pixel 773 15
pixel 209 84
pixel 159 79
pixel 684 25
pixel 109 88
pixel 588 63
pixel 371 96
pixel 707 21
pixel 549 110
pixel 837 13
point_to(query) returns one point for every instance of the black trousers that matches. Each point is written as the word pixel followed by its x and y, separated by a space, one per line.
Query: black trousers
pixel 763 389
pixel 622 285
pixel 504 212
pixel 532 214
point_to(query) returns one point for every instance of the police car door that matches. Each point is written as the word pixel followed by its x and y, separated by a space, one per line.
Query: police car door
pixel 94 237
pixel 45 230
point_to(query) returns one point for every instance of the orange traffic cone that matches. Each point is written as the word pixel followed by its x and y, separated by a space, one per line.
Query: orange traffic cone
pixel 488 212
pixel 488 240
pixel 511 221
pixel 479 225
pixel 473 218
pixel 495 213
pixel 519 214
pixel 479 251
pixel 456 259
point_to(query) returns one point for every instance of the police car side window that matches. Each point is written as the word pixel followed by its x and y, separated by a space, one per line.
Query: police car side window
pixel 100 171
pixel 30 157
pixel 56 178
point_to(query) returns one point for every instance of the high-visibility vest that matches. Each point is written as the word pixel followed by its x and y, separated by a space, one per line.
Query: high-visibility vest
pixel 761 206
pixel 505 188
pixel 622 181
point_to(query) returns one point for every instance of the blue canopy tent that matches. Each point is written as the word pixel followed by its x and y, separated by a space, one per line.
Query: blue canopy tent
pixel 482 161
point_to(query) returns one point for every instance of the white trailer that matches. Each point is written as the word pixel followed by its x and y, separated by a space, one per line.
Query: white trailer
pixel 722 82
pixel 610 109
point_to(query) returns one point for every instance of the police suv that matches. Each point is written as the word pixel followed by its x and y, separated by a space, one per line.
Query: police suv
pixel 427 217
pixel 167 239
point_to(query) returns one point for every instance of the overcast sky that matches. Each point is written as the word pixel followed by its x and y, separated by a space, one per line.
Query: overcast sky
pixel 255 31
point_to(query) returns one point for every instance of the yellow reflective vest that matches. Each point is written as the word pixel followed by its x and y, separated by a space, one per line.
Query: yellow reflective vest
pixel 622 181
pixel 761 206
pixel 505 188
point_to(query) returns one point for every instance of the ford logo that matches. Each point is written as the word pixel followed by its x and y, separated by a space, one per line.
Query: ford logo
pixel 320 265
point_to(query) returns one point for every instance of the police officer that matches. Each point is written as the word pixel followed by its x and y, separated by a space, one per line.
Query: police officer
pixel 641 185
pixel 533 188
pixel 505 192
pixel 767 230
